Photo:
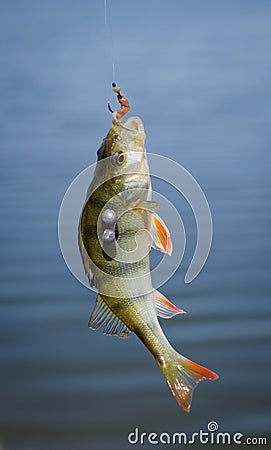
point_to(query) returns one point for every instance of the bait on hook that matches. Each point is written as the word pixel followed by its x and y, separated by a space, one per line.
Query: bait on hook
pixel 125 107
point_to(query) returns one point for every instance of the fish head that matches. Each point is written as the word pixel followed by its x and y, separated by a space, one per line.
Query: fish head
pixel 122 153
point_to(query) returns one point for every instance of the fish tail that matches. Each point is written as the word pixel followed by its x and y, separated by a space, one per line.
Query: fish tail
pixel 182 376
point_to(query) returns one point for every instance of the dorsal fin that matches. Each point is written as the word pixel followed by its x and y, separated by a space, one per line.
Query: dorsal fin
pixel 164 308
pixel 102 316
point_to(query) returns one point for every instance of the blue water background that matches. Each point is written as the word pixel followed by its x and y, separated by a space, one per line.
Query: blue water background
pixel 199 75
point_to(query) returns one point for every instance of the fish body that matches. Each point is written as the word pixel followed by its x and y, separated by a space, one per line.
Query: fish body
pixel 118 225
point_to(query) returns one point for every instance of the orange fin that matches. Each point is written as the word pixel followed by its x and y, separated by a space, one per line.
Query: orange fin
pixel 182 376
pixel 164 308
pixel 160 235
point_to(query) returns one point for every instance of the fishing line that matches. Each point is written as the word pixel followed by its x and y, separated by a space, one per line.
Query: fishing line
pixel 109 45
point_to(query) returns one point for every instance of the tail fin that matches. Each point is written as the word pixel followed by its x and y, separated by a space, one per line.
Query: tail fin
pixel 182 376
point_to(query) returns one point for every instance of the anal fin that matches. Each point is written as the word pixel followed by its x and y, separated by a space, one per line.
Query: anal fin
pixel 102 316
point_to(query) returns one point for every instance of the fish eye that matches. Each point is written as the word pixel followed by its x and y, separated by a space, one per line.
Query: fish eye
pixel 118 158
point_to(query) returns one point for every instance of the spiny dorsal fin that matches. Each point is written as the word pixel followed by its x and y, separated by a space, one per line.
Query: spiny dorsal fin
pixel 164 308
pixel 160 235
pixel 102 316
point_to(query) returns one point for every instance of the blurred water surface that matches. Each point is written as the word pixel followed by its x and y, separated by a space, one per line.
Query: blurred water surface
pixel 198 73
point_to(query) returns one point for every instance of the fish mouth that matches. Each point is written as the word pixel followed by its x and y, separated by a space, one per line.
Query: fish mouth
pixel 127 133
pixel 133 125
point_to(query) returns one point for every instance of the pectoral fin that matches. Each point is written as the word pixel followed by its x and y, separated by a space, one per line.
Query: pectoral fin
pixel 102 316
pixel 164 308
pixel 160 235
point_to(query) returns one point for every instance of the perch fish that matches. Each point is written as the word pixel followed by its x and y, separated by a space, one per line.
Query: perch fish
pixel 118 225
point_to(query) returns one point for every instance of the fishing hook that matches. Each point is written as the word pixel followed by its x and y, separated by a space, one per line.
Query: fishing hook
pixel 122 100
pixel 109 107
pixel 116 89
